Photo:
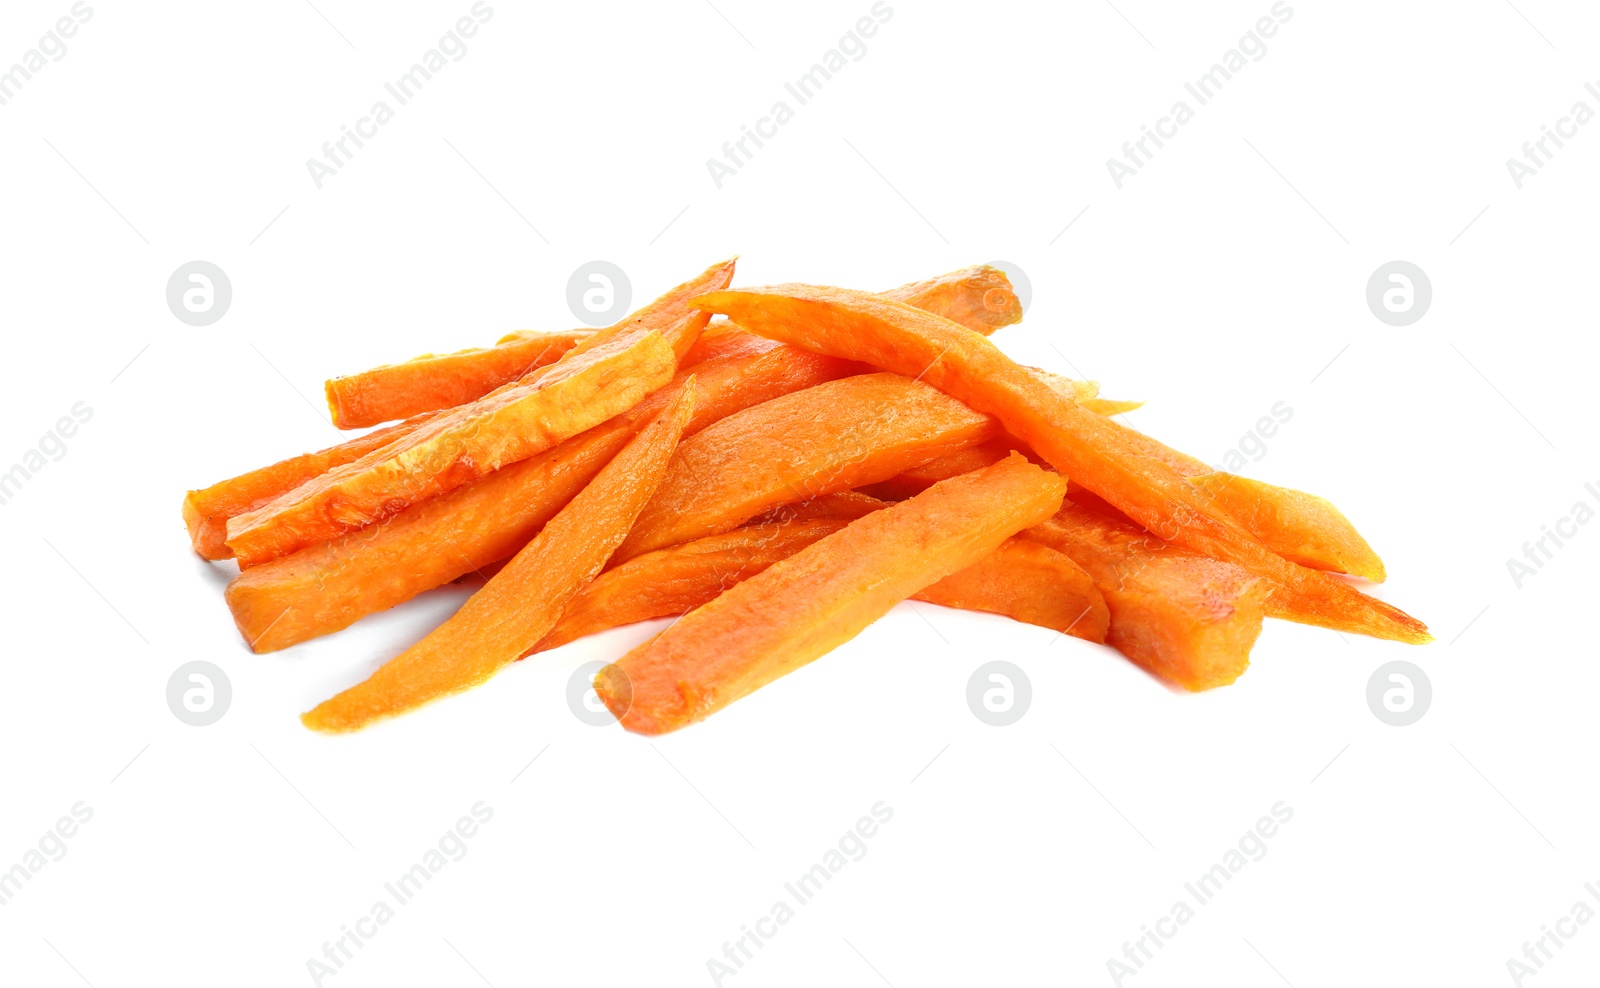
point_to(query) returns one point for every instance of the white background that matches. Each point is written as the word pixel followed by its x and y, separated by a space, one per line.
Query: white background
pixel 1222 279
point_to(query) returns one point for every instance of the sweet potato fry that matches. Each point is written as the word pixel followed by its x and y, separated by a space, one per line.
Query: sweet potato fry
pixel 802 607
pixel 325 587
pixel 577 393
pixel 674 581
pixel 1022 580
pixel 1184 618
pixel 1280 606
pixel 920 478
pixel 1031 583
pixel 328 586
pixel 668 314
pixel 910 483
pixel 519 605
pixel 1178 462
pixel 206 511
pixel 720 337
pixel 434 381
pixel 1300 527
pixel 979 298
pixel 839 506
pixel 1079 443
pixel 831 437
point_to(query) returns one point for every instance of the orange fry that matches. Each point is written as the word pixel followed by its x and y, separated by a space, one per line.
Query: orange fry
pixel 459 446
pixel 1022 580
pixel 519 604
pixel 1182 617
pixel 328 586
pixel 1300 527
pixel 1085 446
pixel 443 380
pixel 804 606
pixel 206 512
pixel 831 437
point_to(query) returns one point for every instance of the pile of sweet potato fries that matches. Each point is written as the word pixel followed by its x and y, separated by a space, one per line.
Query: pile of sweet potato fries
pixel 777 480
